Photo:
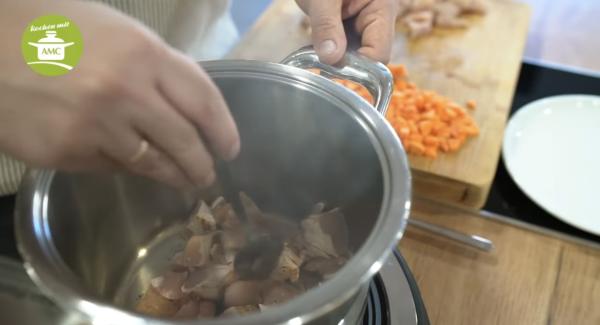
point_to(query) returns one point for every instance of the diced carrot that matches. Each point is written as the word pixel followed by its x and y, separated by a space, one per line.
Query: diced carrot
pixel 471 104
pixel 429 115
pixel 425 127
pixel 451 113
pixel 398 70
pixel 431 141
pixel 424 120
pixel 454 131
pixel 443 133
pixel 412 127
pixel 400 85
pixel 431 152
pixel 437 125
pixel 460 111
pixel 444 146
pixel 415 137
pixel 472 130
pixel 416 147
pixel 405 131
pixel 453 144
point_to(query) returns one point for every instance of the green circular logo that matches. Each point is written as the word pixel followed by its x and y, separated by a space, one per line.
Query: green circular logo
pixel 52 45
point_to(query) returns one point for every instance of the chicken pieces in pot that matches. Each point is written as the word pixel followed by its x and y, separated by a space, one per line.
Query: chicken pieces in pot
pixel 202 281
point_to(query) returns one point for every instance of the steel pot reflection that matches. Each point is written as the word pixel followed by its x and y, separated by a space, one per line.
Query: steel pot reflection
pixel 304 139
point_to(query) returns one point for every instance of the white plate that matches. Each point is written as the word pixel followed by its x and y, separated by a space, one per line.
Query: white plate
pixel 552 151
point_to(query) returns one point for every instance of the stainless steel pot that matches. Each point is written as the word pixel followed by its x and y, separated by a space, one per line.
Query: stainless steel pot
pixel 92 242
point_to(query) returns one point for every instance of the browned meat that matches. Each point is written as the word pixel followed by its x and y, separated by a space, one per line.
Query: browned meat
pixel 209 282
pixel 202 282
pixel 224 214
pixel 242 293
pixel 325 234
pixel 187 310
pixel 288 265
pixel 154 304
pixel 197 250
pixel 280 293
pixel 309 280
pixel 207 309
pixel 203 221
pixel 169 284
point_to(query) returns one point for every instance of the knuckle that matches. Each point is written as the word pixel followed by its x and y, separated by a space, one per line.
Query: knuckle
pixel 156 165
pixel 187 142
pixel 199 171
pixel 99 89
pixel 209 109
pixel 368 19
pixel 70 136
pixel 387 5
pixel 194 162
pixel 203 170
pixel 142 44
pixel 60 152
pixel 159 168
pixel 153 163
pixel 325 23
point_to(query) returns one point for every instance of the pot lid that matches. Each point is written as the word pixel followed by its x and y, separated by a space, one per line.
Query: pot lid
pixel 51 38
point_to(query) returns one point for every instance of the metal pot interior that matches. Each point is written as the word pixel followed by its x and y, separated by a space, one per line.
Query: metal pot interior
pixel 300 145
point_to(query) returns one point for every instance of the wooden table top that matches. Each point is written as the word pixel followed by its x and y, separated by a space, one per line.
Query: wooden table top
pixel 529 278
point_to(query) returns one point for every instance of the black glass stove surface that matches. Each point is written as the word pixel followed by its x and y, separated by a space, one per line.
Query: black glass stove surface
pixel 535 82
pixel 8 245
pixel 378 307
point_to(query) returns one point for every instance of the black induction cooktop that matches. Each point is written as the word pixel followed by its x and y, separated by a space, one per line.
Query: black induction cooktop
pixel 7 236
pixel 535 82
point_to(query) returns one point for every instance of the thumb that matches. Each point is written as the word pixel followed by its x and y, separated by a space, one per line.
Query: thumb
pixel 328 35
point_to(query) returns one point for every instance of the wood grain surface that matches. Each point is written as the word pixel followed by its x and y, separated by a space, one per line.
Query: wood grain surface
pixel 480 63
pixel 577 294
pixel 528 279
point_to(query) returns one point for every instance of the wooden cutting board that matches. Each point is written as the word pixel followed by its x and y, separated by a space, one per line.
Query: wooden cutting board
pixel 480 63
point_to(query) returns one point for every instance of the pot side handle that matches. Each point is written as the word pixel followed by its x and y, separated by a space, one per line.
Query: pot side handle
pixel 374 76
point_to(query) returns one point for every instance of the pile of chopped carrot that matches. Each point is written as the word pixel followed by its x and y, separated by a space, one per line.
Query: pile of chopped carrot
pixel 425 121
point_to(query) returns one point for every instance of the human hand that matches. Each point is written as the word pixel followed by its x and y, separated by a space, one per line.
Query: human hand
pixel 375 20
pixel 128 89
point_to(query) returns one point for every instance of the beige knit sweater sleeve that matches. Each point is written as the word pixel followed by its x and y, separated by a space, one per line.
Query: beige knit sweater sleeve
pixel 201 28
pixel 11 172
pixel 185 24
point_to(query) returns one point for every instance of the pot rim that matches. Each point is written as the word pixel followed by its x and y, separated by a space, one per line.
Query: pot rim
pixel 50 274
